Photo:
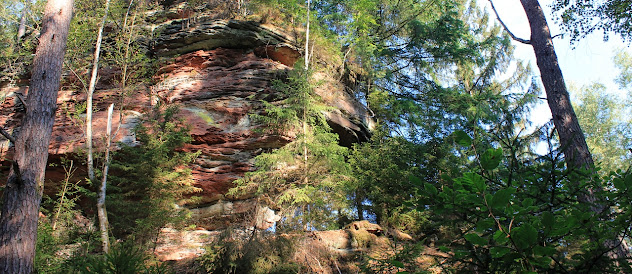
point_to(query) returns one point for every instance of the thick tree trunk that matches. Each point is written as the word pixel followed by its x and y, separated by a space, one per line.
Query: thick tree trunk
pixel 572 138
pixel 22 195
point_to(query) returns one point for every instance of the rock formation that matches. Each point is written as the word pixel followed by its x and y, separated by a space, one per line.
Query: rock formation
pixel 218 71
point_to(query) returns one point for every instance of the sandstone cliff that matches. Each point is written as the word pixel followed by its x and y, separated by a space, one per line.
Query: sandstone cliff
pixel 217 71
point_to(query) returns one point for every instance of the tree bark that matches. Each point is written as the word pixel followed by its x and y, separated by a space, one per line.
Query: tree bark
pixel 22 195
pixel 571 136
pixel 91 87
pixel 307 36
pixel 22 26
pixel 101 211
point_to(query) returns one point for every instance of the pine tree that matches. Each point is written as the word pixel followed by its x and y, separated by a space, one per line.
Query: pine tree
pixel 23 192
pixel 306 179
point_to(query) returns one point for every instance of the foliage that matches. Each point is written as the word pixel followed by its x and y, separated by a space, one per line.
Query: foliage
pixel 381 169
pixel 16 54
pixel 526 216
pixel 148 179
pixel 581 18
pixel 127 50
pixel 122 258
pixel 47 247
pixel 307 177
pixel 81 40
pixel 64 227
pixel 257 253
pixel 623 61
pixel 603 120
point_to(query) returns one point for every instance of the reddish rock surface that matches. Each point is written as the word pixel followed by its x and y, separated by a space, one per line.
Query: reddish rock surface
pixel 217 88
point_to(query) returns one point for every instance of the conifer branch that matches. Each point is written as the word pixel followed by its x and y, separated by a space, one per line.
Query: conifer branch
pixel 515 38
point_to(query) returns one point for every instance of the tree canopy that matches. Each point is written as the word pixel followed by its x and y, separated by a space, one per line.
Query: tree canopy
pixel 580 18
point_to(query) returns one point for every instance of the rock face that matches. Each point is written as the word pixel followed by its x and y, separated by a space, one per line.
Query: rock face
pixel 223 70
pixel 331 251
pixel 180 37
pixel 217 90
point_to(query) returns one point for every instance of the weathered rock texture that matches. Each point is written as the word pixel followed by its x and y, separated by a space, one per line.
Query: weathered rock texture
pixel 332 251
pixel 222 72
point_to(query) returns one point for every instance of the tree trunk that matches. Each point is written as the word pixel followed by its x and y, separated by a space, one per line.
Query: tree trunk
pixel 101 211
pixel 22 26
pixel 93 83
pixel 572 138
pixel 307 36
pixel 22 195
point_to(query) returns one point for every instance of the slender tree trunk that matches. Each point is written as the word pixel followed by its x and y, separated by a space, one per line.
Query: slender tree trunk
pixel 22 26
pixel 306 180
pixel 307 36
pixel 93 83
pixel 22 195
pixel 358 204
pixel 128 44
pixel 572 138
pixel 103 216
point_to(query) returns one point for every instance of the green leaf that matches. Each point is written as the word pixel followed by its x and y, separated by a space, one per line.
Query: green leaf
pixel 501 198
pixel 462 138
pixel 525 235
pixel 500 237
pixel 475 239
pixel 477 182
pixel 491 158
pixel 544 250
pixel 548 220
pixel 430 189
pixel 619 184
pixel 415 180
pixel 397 263
pixel 628 181
pixel 499 251
pixel 484 224
pixel 446 178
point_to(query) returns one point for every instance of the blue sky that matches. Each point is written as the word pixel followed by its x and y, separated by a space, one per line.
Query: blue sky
pixel 585 62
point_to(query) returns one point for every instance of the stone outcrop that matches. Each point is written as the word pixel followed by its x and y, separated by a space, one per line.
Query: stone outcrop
pixel 222 72
pixel 315 249
pixel 182 36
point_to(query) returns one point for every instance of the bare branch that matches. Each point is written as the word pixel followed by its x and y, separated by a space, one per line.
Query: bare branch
pixel 515 38
pixel 19 96
pixel 560 35
pixel 7 135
